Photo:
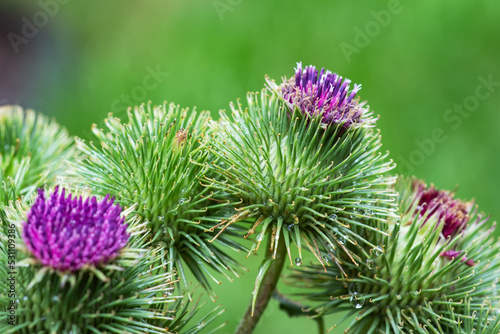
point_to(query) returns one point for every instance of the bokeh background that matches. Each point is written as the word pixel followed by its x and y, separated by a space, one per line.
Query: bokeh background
pixel 429 68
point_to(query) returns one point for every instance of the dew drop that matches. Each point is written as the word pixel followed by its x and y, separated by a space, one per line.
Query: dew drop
pixel 356 302
pixel 326 258
pixel 55 299
pixel 398 297
pixel 341 239
pixel 25 298
pixel 332 217
pixel 162 219
pixel 298 261
pixel 370 264
pixel 377 251
pixel 201 325
pixel 182 201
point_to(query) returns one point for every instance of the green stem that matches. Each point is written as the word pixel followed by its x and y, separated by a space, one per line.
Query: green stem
pixel 321 325
pixel 268 284
pixel 295 309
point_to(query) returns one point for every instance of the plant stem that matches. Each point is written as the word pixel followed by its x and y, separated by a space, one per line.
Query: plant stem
pixel 295 309
pixel 321 325
pixel 268 284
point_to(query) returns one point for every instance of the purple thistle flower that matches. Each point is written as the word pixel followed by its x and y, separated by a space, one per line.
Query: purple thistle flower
pixel 451 254
pixel 453 212
pixel 68 233
pixel 323 93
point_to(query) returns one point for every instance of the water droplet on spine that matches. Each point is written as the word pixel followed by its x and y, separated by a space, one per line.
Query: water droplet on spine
pixel 377 251
pixel 356 302
pixel 298 261
pixel 332 217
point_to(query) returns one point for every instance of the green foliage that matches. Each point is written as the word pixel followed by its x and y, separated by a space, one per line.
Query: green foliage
pixel 155 161
pixel 405 285
pixel 33 153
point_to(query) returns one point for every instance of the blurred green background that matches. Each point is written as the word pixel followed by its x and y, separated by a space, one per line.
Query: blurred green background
pixel 430 70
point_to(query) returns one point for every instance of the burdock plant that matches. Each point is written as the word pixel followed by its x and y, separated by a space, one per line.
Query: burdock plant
pixel 304 167
pixel 77 270
pixel 438 255
pixel 169 192
pixel 155 161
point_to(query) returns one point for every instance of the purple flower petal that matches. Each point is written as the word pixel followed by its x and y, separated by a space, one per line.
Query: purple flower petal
pixel 453 213
pixel 451 254
pixel 323 93
pixel 68 233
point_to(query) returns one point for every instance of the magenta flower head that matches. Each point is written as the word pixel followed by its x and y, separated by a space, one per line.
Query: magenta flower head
pixel 322 93
pixel 453 212
pixel 68 233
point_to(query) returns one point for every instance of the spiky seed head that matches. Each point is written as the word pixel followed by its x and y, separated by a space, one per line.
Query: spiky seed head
pixel 324 94
pixel 128 292
pixel 33 153
pixel 414 282
pixel 68 233
pixel 156 159
pixel 297 181
pixel 96 300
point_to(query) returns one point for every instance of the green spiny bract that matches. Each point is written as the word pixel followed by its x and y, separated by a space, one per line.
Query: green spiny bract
pixel 298 181
pixel 156 160
pixel 184 314
pixel 414 282
pixel 128 293
pixel 482 318
pixel 33 153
